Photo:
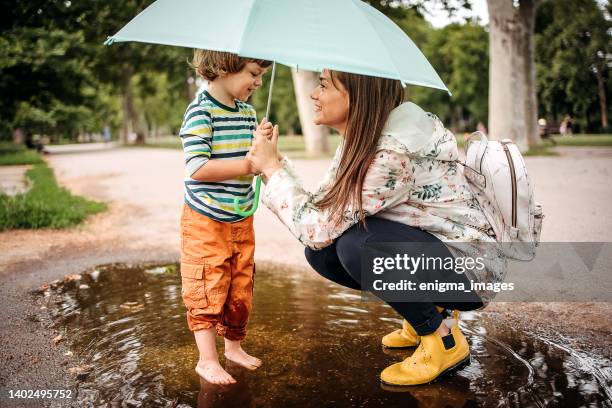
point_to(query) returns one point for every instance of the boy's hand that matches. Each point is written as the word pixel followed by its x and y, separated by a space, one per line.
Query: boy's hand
pixel 263 154
pixel 264 129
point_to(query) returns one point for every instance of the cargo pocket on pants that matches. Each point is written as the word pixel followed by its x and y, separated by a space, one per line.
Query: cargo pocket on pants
pixel 193 288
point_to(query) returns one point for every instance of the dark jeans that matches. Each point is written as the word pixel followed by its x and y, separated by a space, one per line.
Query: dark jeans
pixel 341 263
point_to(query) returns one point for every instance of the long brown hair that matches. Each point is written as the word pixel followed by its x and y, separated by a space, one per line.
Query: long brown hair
pixel 371 100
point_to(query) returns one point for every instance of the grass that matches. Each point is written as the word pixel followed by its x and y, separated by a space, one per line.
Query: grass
pixel 164 143
pixel 578 140
pixel 541 150
pixel 25 157
pixel 14 154
pixel 45 205
pixel 584 140
pixel 294 146
pixel 291 145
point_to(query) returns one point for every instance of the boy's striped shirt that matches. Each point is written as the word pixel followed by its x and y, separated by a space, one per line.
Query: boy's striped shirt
pixel 212 130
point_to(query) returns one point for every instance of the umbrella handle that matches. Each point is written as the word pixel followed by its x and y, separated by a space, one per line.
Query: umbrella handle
pixel 251 211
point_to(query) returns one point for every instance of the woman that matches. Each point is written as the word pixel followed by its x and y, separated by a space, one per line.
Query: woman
pixel 394 178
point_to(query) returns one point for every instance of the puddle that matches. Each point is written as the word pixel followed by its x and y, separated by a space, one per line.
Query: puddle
pixel 320 345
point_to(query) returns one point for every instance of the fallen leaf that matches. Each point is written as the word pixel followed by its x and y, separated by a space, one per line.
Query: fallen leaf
pixel 81 371
pixel 132 306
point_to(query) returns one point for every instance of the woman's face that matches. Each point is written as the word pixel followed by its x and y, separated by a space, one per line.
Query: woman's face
pixel 331 103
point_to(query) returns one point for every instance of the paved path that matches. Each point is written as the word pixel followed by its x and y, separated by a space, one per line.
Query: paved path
pixel 574 189
pixel 144 188
pixel 80 147
pixel 147 183
pixel 13 180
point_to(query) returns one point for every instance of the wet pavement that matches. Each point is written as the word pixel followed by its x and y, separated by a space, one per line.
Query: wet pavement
pixel 320 344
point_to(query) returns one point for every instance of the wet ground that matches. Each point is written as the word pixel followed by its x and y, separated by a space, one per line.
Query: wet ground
pixel 320 345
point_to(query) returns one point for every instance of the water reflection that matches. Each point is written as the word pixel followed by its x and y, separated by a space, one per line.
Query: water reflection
pixel 320 345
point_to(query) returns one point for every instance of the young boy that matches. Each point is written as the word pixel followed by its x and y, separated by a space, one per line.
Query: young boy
pixel 217 244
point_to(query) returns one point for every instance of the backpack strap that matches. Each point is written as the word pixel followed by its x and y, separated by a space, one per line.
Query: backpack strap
pixel 481 151
pixel 474 158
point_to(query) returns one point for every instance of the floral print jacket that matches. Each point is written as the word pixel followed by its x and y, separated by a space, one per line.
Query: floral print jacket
pixel 414 179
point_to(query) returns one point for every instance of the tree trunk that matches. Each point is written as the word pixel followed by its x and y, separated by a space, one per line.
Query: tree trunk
pixel 18 136
pixel 603 104
pixel 190 85
pixel 125 104
pixel 512 98
pixel 527 13
pixel 315 137
pixel 130 114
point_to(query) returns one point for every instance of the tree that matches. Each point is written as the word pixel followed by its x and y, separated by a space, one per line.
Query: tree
pixel 118 64
pixel 512 92
pixel 60 80
pixel 315 137
pixel 43 93
pixel 460 54
pixel 283 110
pixel 574 54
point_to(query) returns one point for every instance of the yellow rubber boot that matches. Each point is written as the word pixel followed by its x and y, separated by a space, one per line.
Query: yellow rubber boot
pixel 430 360
pixel 404 337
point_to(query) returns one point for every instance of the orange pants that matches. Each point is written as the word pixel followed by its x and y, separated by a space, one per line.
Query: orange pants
pixel 217 270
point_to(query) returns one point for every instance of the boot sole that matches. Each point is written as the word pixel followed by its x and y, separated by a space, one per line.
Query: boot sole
pixel 449 371
pixel 399 348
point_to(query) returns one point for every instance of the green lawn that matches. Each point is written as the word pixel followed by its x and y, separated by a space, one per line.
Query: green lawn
pixel 45 205
pixel 294 147
pixel 25 157
pixel 542 150
pixel 13 154
pixel 584 140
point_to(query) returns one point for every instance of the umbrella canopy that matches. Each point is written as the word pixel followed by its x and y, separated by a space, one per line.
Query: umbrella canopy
pixel 343 35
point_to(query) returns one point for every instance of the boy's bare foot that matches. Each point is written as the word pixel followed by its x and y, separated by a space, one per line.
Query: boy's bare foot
pixel 212 372
pixel 235 353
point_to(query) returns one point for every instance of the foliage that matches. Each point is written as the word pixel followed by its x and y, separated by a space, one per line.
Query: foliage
pixel 573 45
pixel 460 55
pixel 284 109
pixel 58 79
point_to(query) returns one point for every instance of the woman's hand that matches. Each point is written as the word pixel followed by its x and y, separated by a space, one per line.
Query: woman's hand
pixel 263 154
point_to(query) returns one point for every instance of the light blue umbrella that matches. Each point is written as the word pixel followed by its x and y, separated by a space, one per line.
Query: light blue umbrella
pixel 342 35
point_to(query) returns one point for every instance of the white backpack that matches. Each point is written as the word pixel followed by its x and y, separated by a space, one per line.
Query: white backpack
pixel 497 176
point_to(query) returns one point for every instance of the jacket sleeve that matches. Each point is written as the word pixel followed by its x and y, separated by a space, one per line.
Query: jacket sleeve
pixel 387 183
